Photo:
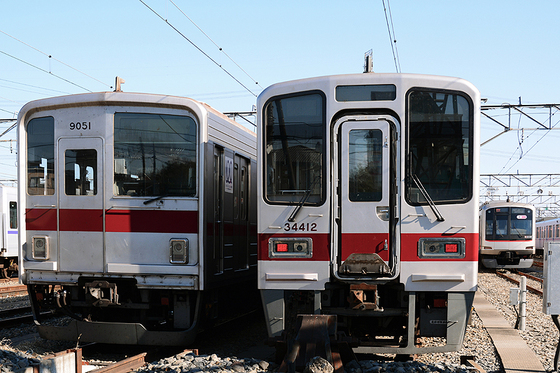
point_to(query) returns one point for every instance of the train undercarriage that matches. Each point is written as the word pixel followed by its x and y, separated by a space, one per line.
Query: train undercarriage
pixel 118 311
pixel 372 319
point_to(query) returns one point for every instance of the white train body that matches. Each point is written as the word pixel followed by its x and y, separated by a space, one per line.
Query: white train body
pixel 344 226
pixel 9 236
pixel 140 208
pixel 507 234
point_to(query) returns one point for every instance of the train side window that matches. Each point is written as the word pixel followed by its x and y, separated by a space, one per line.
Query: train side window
pixel 80 175
pixel 40 156
pixel 13 215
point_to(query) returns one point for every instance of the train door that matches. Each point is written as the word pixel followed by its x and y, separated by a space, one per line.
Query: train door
pixel 80 204
pixel 366 204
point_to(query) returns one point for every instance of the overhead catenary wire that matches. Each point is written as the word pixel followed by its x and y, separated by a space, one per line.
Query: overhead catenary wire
pixel 45 71
pixel 57 60
pixel 31 86
pixel 197 47
pixel 526 152
pixel 392 37
pixel 217 46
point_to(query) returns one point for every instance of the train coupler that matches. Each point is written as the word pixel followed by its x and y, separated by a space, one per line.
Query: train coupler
pixel 102 293
pixel 363 297
pixel 316 337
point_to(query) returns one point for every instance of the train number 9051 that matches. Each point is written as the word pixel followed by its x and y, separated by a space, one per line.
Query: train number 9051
pixel 80 126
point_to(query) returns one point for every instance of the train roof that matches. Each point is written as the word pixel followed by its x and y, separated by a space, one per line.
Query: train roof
pixel 407 80
pixel 494 204
pixel 121 98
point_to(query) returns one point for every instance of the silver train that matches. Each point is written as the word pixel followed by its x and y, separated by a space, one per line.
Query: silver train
pixel 507 235
pixel 547 231
pixel 138 216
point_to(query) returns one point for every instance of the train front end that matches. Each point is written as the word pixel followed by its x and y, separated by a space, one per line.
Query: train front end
pixel 507 234
pixel 368 208
pixel 113 216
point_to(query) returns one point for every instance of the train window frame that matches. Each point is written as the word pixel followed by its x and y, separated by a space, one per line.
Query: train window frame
pixel 190 175
pixel 412 193
pixel 80 169
pixel 13 214
pixel 296 196
pixel 40 156
pixel 365 182
pixel 366 93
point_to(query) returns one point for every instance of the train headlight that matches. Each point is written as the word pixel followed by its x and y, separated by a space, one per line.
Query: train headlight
pixel 40 248
pixel 300 247
pixel 179 251
pixel 441 248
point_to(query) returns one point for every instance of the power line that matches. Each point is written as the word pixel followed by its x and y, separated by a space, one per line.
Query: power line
pixel 217 46
pixel 531 148
pixel 392 37
pixel 197 47
pixel 43 70
pixel 57 60
pixel 30 85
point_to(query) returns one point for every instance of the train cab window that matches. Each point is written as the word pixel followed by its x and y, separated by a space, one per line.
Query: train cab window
pixel 295 149
pixel 80 174
pixel 439 145
pixel 13 215
pixel 155 155
pixel 365 165
pixel 40 156
pixel 504 223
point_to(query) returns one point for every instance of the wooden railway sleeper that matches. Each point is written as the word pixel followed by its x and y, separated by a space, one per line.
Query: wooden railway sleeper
pixel 316 337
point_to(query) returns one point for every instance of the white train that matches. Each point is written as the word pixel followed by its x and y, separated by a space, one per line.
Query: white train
pixel 138 216
pixel 507 234
pixel 9 233
pixel 547 231
pixel 368 207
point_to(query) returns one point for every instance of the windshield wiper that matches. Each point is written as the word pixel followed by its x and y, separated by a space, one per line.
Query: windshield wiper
pixel 155 199
pixel 424 192
pixel 304 199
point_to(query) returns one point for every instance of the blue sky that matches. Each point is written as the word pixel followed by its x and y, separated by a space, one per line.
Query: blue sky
pixel 508 49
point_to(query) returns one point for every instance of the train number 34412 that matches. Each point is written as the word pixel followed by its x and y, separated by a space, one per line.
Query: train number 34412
pixel 302 227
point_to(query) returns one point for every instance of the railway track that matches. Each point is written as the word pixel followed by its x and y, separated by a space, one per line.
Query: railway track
pixel 515 281
pixel 13 290
pixel 19 315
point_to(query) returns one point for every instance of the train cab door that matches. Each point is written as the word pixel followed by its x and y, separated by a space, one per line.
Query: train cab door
pixel 80 204
pixel 366 205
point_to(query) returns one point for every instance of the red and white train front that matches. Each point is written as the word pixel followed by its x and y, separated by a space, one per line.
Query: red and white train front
pixel 368 207
pixel 136 215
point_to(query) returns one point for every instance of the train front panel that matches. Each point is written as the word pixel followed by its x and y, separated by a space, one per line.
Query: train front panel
pixel 368 207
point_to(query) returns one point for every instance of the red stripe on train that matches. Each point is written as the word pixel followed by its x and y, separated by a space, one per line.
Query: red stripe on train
pixel 151 221
pixel 41 219
pixel 82 220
